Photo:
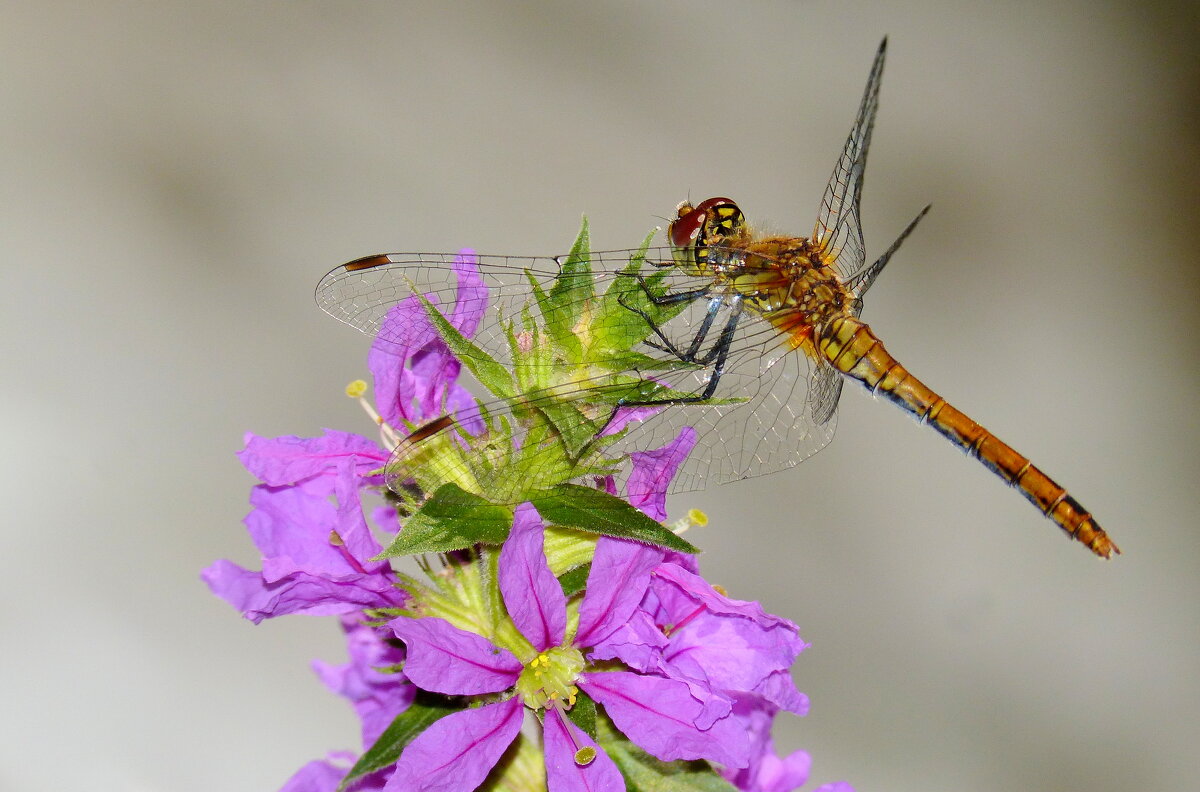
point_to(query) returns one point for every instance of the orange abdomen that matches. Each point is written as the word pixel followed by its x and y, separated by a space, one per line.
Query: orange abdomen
pixel 854 350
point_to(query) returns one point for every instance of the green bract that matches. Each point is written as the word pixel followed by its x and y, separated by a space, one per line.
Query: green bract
pixel 572 365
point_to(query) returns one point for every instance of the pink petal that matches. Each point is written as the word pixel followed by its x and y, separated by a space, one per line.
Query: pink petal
pixel 471 301
pixel 285 460
pixel 562 773
pixel 638 644
pixel 456 753
pixel 653 470
pixel 532 594
pixel 702 591
pixel 322 775
pixel 660 715
pixel 358 544
pixel 616 584
pixel 445 659
pixel 257 599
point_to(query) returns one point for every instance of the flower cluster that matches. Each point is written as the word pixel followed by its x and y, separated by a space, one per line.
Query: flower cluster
pixel 553 659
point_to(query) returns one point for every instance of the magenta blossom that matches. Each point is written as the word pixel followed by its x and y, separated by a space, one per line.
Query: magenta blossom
pixel 316 554
pixel 669 718
pixel 370 680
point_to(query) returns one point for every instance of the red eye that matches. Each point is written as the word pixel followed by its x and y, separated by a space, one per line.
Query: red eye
pixel 715 217
pixel 686 226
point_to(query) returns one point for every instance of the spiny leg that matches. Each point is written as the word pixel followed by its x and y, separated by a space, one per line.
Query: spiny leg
pixel 673 299
pixel 719 353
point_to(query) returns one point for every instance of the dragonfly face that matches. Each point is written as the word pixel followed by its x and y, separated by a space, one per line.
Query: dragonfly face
pixel 742 340
pixel 696 228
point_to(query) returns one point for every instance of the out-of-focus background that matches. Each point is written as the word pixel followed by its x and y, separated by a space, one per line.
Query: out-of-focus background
pixel 177 176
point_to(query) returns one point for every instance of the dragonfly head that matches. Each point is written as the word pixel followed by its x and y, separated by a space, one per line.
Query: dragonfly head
pixel 697 227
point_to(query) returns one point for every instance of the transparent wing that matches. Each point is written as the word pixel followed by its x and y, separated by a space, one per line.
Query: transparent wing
pixel 361 292
pixel 839 227
pixel 768 409
pixel 767 413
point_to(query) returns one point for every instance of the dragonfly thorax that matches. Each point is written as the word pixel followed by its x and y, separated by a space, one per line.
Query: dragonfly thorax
pixel 787 280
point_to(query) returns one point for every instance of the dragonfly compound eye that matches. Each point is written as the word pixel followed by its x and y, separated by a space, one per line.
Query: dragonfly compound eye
pixel 705 223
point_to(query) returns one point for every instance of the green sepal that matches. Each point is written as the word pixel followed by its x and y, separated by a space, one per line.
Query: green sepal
pixel 574 580
pixel 574 428
pixel 426 709
pixel 645 773
pixel 491 373
pixel 563 306
pixel 452 519
pixel 616 324
pixel 583 714
pixel 595 511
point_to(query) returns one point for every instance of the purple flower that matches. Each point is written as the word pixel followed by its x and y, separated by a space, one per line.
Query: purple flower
pixel 427 386
pixel 766 772
pixel 370 680
pixel 670 718
pixel 325 775
pixel 316 555
pixel 730 645
pixel 653 471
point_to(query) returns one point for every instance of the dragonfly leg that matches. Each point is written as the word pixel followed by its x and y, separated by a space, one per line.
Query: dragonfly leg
pixel 717 355
pixel 671 299
pixel 690 356
pixel 718 349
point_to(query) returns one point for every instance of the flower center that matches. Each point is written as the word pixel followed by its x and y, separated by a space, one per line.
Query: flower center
pixel 550 677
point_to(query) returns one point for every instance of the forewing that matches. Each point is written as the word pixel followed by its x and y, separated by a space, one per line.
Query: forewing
pixel 361 292
pixel 839 227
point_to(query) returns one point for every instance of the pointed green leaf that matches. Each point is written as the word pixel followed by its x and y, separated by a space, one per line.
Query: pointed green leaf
pixel 558 318
pixel 574 428
pixel 423 712
pixel 645 773
pixel 573 580
pixel 490 372
pixel 620 318
pixel 583 714
pixel 452 519
pixel 572 289
pixel 595 511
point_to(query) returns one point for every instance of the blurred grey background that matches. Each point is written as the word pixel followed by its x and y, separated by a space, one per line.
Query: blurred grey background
pixel 177 176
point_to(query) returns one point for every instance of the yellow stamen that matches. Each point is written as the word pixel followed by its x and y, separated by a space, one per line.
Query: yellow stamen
pixel 355 390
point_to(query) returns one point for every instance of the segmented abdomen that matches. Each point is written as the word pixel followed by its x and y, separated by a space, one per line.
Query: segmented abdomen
pixel 854 350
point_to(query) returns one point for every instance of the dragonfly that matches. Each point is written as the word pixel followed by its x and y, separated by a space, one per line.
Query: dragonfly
pixel 744 336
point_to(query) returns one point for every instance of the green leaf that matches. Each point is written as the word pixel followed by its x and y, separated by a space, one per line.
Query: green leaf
pixel 616 324
pixel 645 773
pixel 490 372
pixel 583 714
pixel 595 511
pixel 452 519
pixel 573 580
pixel 574 428
pixel 572 290
pixel 423 712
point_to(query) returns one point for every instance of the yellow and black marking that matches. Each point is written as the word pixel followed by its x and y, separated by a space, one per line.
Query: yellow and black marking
pixel 721 222
pixel 853 349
